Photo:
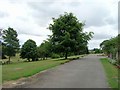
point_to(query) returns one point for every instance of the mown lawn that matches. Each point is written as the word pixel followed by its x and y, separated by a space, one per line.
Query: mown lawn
pixel 25 69
pixel 111 73
pixel 19 69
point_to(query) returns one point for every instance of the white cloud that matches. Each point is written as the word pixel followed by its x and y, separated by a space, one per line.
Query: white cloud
pixel 38 39
pixel 100 34
pixel 31 17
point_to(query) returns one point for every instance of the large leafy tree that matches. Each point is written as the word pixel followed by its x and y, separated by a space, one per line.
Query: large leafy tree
pixel 29 50
pixel 68 35
pixel 110 47
pixel 11 42
pixel 105 46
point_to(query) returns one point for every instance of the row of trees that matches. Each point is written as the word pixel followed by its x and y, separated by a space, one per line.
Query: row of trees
pixel 67 38
pixel 111 47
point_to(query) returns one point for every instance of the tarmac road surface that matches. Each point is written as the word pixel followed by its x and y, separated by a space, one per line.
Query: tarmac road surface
pixel 86 72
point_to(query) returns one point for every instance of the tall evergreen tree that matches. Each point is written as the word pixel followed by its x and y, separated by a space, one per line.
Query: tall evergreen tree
pixel 11 42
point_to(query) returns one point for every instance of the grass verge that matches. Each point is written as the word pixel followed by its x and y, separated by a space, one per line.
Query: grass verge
pixel 111 73
pixel 25 69
pixel 19 69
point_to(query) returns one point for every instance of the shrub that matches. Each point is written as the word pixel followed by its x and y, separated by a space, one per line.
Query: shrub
pixel 112 61
pixel 55 55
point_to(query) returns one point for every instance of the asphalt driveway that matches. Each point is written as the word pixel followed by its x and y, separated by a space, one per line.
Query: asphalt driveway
pixel 87 72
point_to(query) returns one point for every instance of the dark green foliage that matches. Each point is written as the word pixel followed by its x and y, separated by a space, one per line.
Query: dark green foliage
pixel 11 42
pixel 3 47
pixel 29 50
pixel 96 50
pixel 68 35
pixel 0 51
pixel 118 48
pixel 110 47
pixel 44 50
pixel 55 55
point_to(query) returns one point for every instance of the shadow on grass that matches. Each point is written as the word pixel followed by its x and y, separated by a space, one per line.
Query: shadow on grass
pixel 74 58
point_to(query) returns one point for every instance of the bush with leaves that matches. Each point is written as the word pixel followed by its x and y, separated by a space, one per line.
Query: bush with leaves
pixel 55 55
pixel 110 47
pixel 44 50
pixel 29 50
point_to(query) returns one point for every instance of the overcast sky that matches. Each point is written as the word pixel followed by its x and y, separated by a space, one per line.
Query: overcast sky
pixel 30 18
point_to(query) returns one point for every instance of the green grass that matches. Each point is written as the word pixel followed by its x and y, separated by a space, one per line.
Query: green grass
pixel 25 69
pixel 18 69
pixel 111 73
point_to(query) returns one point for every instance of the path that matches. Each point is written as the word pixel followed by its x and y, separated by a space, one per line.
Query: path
pixel 87 72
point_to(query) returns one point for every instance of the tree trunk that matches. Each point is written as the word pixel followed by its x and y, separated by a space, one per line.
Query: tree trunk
pixel 28 59
pixel 43 58
pixel 65 55
pixel 33 59
pixel 9 59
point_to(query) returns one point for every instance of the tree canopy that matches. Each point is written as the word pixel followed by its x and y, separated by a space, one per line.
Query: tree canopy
pixel 29 50
pixel 68 35
pixel 110 46
pixel 11 42
pixel 44 50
